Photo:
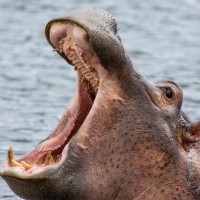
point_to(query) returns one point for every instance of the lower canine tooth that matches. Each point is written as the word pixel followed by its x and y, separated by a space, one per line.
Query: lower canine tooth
pixel 26 165
pixel 14 163
pixel 10 157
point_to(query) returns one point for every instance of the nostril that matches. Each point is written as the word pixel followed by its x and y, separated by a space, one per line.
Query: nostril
pixel 56 33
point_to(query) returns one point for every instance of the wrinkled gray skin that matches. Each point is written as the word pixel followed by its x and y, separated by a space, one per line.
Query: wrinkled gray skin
pixel 137 143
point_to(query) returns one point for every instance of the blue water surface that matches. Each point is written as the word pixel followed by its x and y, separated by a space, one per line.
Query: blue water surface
pixel 162 37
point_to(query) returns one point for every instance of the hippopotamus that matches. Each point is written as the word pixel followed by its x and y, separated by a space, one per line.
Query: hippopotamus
pixel 121 137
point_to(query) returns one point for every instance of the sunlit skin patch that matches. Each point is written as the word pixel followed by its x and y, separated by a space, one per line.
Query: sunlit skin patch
pixel 70 41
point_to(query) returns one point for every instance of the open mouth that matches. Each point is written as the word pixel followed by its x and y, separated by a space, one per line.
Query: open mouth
pixel 72 43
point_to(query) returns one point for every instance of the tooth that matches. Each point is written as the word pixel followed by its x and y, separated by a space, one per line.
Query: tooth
pixel 11 161
pixel 66 48
pixel 84 72
pixel 58 157
pixel 89 77
pixel 10 157
pixel 76 61
pixel 82 79
pixel 86 66
pixel 71 56
pixel 16 164
pixel 74 47
pixel 57 50
pixel 61 41
pixel 96 80
pixel 49 159
pixel 37 162
pixel 26 165
pixel 80 53
pixel 79 64
pixel 92 69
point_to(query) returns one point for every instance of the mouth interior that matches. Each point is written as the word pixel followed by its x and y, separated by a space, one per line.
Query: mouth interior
pixel 72 43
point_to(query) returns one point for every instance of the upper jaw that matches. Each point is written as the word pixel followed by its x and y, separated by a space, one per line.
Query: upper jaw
pixel 101 29
pixel 72 43
pixel 86 78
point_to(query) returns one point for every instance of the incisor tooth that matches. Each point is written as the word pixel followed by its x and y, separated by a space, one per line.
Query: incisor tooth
pixel 26 165
pixel 57 50
pixel 16 164
pixel 61 41
pixel 49 159
pixel 10 157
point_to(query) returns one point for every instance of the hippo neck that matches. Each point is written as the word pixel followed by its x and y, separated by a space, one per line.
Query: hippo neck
pixel 131 149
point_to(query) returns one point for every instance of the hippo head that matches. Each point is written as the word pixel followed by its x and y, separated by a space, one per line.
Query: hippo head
pixel 121 137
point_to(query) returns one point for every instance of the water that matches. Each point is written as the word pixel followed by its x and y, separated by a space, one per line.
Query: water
pixel 163 38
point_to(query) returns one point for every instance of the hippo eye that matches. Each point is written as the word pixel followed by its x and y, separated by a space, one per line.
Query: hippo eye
pixel 168 92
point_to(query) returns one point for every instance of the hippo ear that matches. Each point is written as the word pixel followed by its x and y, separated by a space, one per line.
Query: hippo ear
pixel 193 133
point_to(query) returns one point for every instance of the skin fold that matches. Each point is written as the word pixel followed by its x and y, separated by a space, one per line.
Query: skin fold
pixel 133 142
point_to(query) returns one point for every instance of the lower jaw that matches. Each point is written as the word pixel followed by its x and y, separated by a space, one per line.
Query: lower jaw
pixel 35 170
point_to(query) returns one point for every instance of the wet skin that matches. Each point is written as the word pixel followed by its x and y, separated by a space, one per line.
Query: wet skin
pixel 121 137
